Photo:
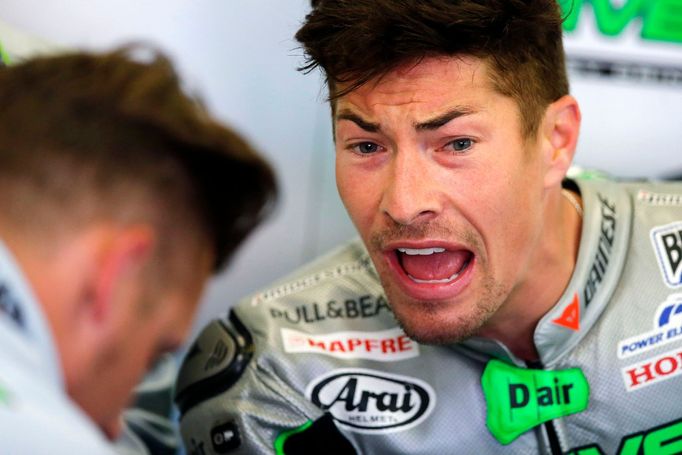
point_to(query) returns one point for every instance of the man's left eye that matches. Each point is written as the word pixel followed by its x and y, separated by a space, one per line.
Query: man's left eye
pixel 461 145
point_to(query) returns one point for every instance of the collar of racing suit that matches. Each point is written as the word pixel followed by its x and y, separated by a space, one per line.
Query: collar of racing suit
pixel 26 333
pixel 605 233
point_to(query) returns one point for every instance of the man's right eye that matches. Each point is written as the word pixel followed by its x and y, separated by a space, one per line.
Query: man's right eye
pixel 365 148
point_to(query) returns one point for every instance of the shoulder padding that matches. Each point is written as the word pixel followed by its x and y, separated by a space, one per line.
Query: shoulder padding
pixel 214 362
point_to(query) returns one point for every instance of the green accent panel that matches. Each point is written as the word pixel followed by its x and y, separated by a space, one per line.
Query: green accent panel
pixel 282 438
pixel 631 445
pixel 665 441
pixel 592 450
pixel 519 399
pixel 664 21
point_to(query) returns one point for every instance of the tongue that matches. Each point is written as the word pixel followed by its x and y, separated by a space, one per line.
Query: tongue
pixel 437 266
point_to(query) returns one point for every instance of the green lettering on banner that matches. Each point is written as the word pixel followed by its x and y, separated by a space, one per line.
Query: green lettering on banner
pixel 664 21
pixel 520 399
pixel 661 19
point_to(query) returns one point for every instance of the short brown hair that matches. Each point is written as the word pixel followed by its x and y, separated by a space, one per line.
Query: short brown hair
pixel 355 41
pixel 81 133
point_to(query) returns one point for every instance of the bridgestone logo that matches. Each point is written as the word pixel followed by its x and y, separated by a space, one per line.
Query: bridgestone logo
pixel 368 401
pixel 667 242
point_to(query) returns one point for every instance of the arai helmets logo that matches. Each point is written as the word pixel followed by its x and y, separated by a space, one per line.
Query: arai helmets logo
pixel 368 401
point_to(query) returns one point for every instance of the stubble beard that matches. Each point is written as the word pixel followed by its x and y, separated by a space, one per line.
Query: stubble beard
pixel 444 322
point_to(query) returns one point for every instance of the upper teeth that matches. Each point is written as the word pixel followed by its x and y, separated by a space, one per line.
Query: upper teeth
pixel 420 251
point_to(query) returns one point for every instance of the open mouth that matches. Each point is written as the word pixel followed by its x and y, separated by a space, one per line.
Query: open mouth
pixel 433 265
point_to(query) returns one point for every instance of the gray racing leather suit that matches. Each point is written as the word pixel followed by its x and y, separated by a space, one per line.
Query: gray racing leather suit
pixel 323 345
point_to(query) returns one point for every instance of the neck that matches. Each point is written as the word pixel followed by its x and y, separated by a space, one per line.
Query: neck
pixel 544 282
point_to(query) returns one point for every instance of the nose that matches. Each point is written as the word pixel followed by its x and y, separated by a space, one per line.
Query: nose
pixel 410 196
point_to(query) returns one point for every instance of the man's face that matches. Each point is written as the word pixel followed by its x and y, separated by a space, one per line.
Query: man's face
pixel 154 322
pixel 444 190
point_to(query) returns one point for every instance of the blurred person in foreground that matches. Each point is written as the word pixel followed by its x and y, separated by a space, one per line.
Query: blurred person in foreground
pixel 119 197
pixel 492 305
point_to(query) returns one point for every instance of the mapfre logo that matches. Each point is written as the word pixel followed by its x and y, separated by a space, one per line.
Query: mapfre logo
pixel 667 328
pixel 384 345
pixel 368 401
pixel 667 242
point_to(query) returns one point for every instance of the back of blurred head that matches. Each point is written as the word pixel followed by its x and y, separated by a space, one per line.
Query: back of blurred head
pixel 119 197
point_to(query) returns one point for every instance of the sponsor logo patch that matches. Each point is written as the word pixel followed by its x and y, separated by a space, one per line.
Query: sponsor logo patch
pixel 519 399
pixel 309 281
pixel 363 307
pixel 667 328
pixel 667 242
pixel 368 401
pixel 659 198
pixel 570 318
pixel 651 371
pixel 384 346
pixel 602 258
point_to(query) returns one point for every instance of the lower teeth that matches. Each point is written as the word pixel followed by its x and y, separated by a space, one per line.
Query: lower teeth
pixel 444 280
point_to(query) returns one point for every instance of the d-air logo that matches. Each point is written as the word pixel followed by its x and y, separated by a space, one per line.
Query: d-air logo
pixel 519 399
pixel 570 318
pixel 368 401
pixel 667 328
pixel 385 345
pixel 663 439
pixel 665 366
pixel 667 242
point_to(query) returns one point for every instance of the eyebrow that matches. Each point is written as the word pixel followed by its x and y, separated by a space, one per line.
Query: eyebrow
pixel 437 122
pixel 359 121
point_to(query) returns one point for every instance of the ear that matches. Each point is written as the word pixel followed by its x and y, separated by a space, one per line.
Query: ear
pixel 119 259
pixel 560 129
pixel 103 264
